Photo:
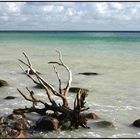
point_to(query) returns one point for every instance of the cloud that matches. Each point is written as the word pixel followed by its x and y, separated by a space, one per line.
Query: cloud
pixel 4 18
pixel 117 5
pixel 102 8
pixel 58 15
pixel 71 12
pixel 14 6
pixel 52 8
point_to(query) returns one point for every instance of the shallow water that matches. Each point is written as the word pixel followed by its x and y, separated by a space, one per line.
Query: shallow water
pixel 114 93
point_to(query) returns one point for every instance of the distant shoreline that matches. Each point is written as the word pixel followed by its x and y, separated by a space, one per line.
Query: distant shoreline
pixel 61 31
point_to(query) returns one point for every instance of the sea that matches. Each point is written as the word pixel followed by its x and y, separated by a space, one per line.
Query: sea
pixel 114 94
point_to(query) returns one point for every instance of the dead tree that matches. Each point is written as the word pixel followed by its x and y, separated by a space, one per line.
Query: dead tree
pixel 63 112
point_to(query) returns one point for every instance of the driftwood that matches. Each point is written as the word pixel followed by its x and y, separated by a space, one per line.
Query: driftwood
pixel 62 112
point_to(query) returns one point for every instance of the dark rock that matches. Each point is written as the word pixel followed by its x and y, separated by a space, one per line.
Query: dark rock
pixel 5 129
pixel 3 120
pixel 90 116
pixel 136 123
pixel 66 125
pixel 3 83
pixel 9 97
pixel 76 90
pixel 14 116
pixel 88 73
pixel 47 123
pixel 104 124
pixel 38 86
pixel 12 133
pixel 11 126
pixel 3 132
pixel 31 72
pixel 22 124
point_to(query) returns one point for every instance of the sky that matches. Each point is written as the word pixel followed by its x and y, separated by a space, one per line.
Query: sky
pixel 70 16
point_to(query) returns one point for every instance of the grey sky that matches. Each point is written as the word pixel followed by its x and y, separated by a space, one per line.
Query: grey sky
pixel 69 16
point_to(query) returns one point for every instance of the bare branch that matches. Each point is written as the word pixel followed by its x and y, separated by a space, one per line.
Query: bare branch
pixel 66 90
pixel 60 56
pixel 75 103
pixel 29 65
pixel 29 110
pixel 22 68
pixel 29 62
pixel 32 96
pixel 60 90
pixel 70 74
pixel 36 74
pixel 84 109
pixel 31 100
pixel 23 62
pixel 47 91
pixel 61 63
pixel 49 88
pixel 29 75
pixel 42 82
pixel 45 83
pixel 64 99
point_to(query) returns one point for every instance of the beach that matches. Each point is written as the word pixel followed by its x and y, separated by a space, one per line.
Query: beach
pixel 114 93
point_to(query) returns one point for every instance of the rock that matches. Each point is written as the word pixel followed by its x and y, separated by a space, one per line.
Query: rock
pixel 3 83
pixel 31 72
pixel 76 90
pixel 9 97
pixel 91 116
pixel 23 135
pixel 22 124
pixel 14 116
pixel 66 125
pixel 136 123
pixel 88 73
pixel 104 124
pixel 11 126
pixel 3 120
pixel 47 123
pixel 12 133
pixel 38 86
pixel 3 132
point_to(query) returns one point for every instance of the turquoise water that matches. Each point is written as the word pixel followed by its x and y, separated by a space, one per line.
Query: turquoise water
pixel 114 94
pixel 117 42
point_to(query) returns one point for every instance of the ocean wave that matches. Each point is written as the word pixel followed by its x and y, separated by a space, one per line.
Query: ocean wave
pixel 104 107
pixel 123 135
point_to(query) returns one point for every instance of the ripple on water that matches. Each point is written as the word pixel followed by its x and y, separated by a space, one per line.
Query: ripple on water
pixel 92 135
pixel 123 135
pixel 106 108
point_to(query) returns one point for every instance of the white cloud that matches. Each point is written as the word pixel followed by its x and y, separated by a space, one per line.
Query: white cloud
pixel 102 7
pixel 14 6
pixel 117 5
pixel 70 12
pixel 52 8
pixel 48 8
pixel 53 14
pixel 134 10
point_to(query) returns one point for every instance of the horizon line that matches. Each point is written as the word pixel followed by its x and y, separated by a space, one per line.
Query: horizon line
pixel 69 30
